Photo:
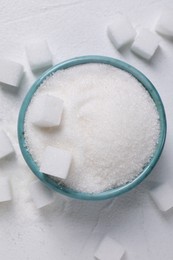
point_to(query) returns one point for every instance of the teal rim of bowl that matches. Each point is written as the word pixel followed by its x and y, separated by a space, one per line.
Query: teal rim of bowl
pixel 117 190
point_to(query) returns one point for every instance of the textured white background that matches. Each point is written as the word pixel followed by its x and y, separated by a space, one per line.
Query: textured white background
pixel 70 229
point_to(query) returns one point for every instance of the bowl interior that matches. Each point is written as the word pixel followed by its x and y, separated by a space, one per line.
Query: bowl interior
pixel 118 190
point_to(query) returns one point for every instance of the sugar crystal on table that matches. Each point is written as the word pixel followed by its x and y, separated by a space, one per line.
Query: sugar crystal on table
pixel 164 24
pixel 11 73
pixel 109 249
pixel 162 195
pixel 120 31
pixel 5 189
pixel 145 44
pixel 6 147
pixel 39 55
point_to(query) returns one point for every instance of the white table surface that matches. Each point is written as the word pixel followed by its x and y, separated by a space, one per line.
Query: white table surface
pixel 71 229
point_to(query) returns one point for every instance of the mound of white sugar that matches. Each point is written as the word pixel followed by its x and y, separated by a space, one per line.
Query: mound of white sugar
pixel 110 125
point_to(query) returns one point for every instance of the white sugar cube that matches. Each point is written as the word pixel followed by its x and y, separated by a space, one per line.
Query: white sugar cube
pixel 5 189
pixel 10 73
pixel 162 196
pixel 164 24
pixel 109 249
pixel 56 162
pixel 39 55
pixel 145 44
pixel 40 194
pixel 47 111
pixel 121 32
pixel 6 147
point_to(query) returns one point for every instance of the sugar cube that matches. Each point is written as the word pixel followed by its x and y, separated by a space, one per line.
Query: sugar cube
pixel 6 147
pixel 40 194
pixel 5 189
pixel 47 111
pixel 162 196
pixel 121 32
pixel 145 44
pixel 39 55
pixel 56 162
pixel 10 73
pixel 109 249
pixel 164 24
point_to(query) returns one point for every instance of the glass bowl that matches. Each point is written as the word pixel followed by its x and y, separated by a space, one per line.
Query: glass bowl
pixel 117 190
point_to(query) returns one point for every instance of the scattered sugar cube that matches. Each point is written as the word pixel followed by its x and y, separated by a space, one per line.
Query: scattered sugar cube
pixel 5 189
pixel 109 249
pixel 56 162
pixel 121 32
pixel 162 196
pixel 164 24
pixel 6 147
pixel 10 73
pixel 39 55
pixel 41 195
pixel 47 111
pixel 145 44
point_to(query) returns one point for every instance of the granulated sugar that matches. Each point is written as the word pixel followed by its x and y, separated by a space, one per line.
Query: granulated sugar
pixel 110 125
